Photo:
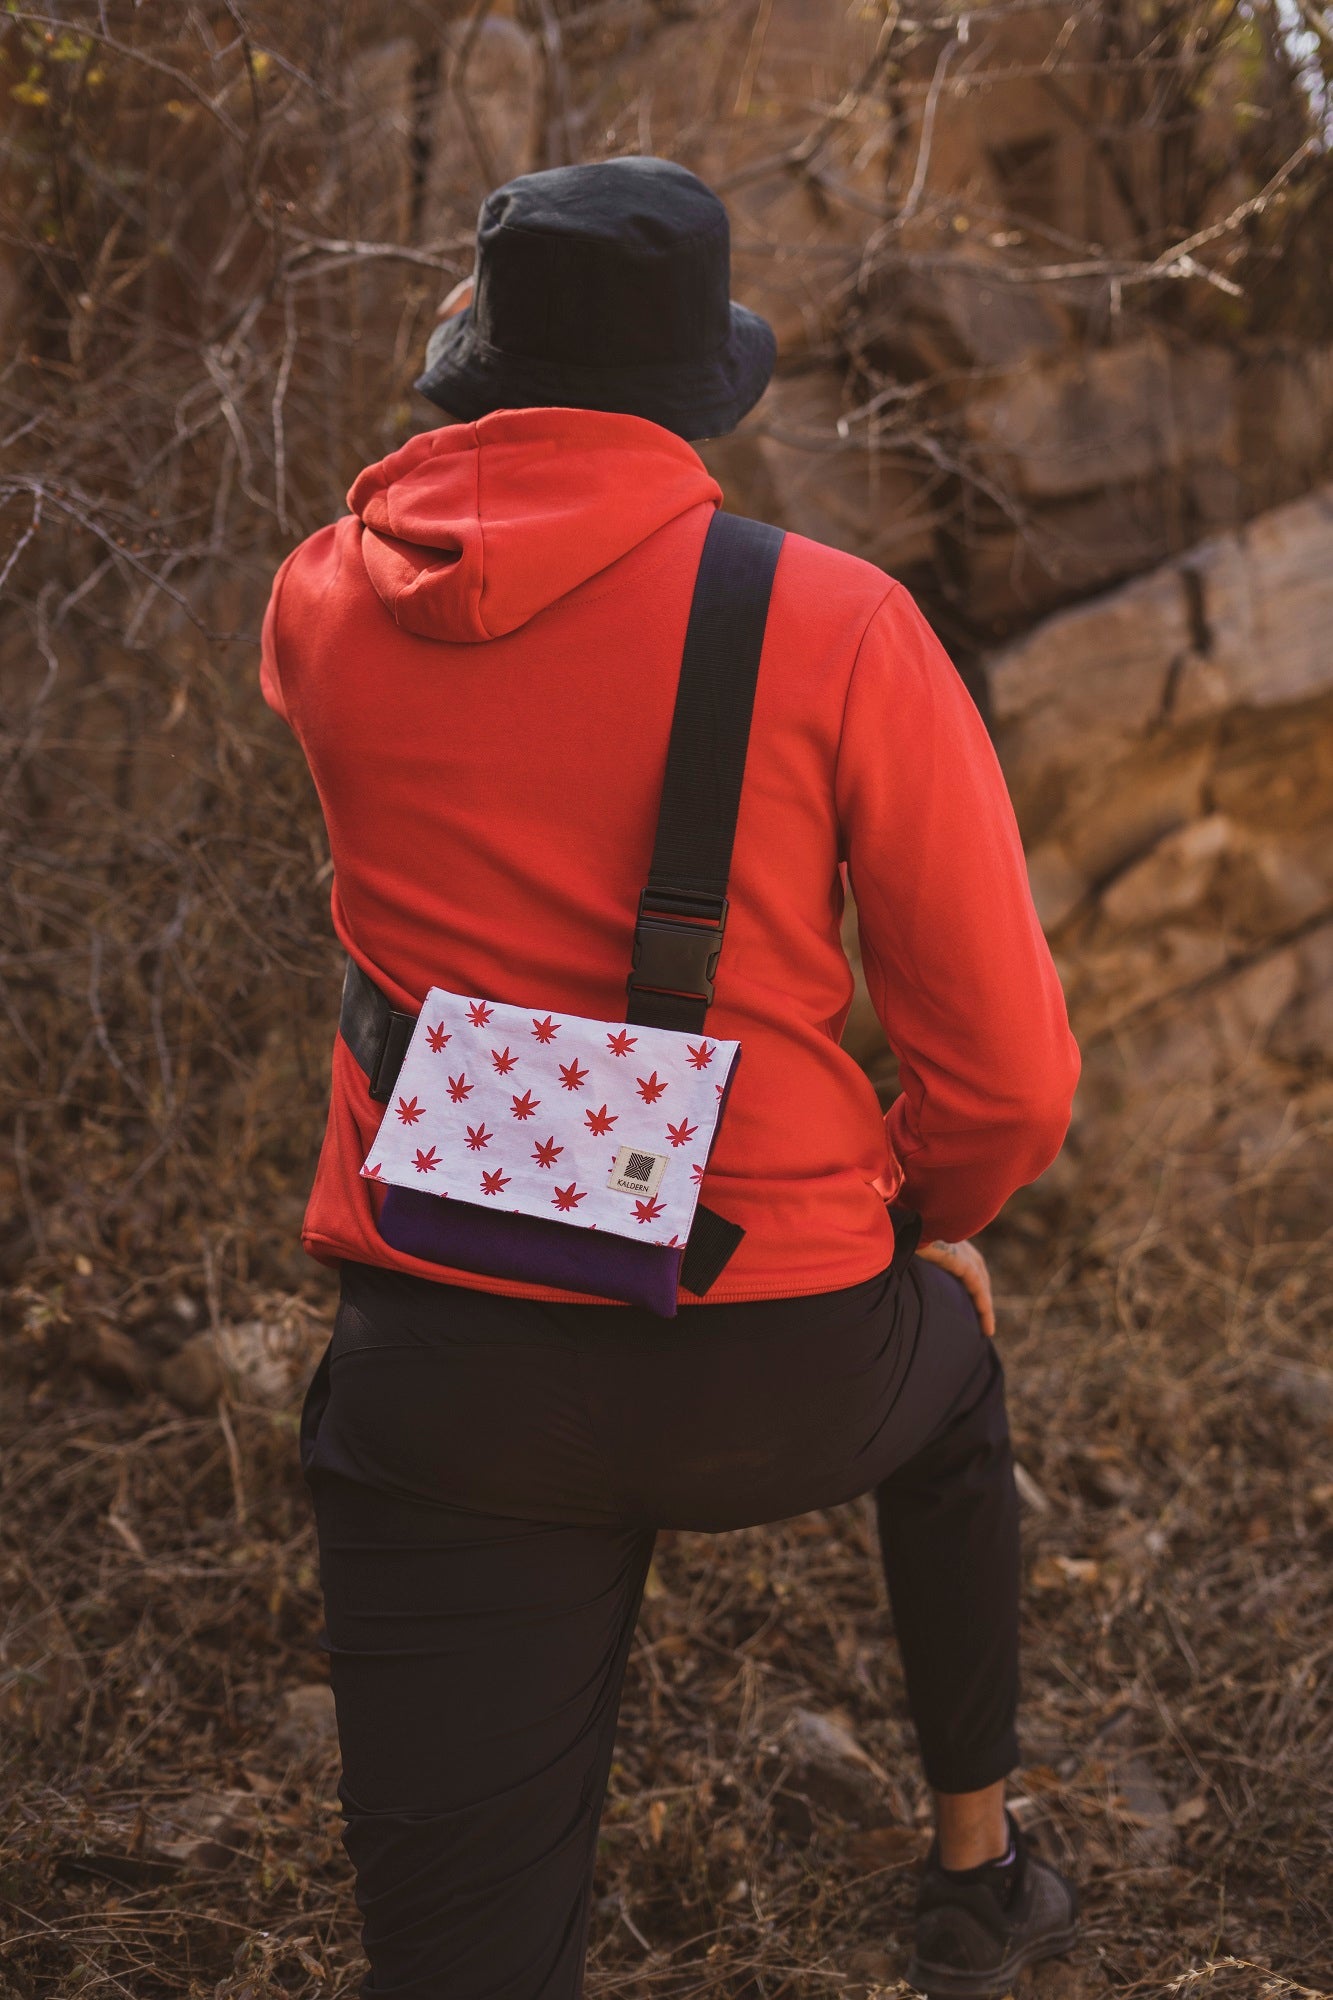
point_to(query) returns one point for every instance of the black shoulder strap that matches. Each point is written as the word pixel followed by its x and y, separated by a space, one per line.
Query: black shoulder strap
pixel 683 909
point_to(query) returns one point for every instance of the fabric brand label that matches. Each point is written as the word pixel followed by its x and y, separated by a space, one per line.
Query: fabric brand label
pixel 637 1173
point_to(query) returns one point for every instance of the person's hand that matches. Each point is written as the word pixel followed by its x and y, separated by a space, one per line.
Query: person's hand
pixel 965 1262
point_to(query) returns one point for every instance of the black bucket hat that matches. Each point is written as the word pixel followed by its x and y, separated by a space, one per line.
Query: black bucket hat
pixel 604 287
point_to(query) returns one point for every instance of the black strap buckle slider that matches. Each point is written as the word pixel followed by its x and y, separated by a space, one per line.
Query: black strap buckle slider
pixel 677 942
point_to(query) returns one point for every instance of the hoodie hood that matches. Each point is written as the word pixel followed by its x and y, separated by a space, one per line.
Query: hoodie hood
pixel 469 531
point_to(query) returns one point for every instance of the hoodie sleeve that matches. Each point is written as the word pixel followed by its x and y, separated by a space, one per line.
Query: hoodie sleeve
pixel 955 961
pixel 270 677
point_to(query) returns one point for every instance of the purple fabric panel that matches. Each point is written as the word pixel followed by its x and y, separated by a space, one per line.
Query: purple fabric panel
pixel 529 1248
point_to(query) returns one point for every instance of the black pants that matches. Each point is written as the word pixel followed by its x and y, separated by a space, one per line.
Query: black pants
pixel 487 1475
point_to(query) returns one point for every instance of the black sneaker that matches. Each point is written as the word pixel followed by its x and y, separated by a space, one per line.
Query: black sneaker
pixel 977 1929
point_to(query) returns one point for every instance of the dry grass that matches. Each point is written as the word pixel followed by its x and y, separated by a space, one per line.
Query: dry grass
pixel 1167 1347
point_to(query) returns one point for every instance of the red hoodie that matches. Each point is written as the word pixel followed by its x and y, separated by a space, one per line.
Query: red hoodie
pixel 480 664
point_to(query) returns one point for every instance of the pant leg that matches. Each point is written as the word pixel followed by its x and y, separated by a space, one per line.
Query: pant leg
pixel 949 1535
pixel 477 1665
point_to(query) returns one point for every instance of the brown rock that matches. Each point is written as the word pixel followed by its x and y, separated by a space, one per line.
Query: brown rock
pixel 1274 768
pixel 1307 1392
pixel 308 1725
pixel 1067 549
pixel 1286 417
pixel 268 1360
pixel 1305 1026
pixel 869 1970
pixel 42 1676
pixel 1113 415
pixel 961 315
pixel 1245 1009
pixel 193 1376
pixel 1089 681
pixel 1172 878
pixel 1268 604
pixel 1145 1808
pixel 1113 812
pixel 204 1831
pixel 112 1356
pixel 827 1765
pixel 1141 1804
pixel 1110 983
pixel 837 488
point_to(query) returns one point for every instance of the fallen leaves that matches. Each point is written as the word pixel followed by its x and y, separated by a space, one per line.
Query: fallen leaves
pixel 1060 1572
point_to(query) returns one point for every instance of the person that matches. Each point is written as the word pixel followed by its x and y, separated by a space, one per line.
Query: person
pixel 479 662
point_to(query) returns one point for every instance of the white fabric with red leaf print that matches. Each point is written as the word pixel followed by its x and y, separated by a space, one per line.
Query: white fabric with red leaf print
pixel 600 1124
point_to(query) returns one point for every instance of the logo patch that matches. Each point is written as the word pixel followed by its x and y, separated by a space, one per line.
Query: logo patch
pixel 637 1173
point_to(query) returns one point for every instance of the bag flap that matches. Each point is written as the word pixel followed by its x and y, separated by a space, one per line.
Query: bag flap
pixel 604 1125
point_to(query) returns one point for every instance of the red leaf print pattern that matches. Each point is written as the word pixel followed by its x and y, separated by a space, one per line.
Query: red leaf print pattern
pixel 372 1173
pixel 572 1075
pixel 703 1055
pixel 648 1211
pixel 409 1110
pixel 569 1197
pixel 545 1031
pixel 478 1136
pixel 495 1182
pixel 600 1121
pixel 459 1087
pixel 503 1061
pixel 426 1163
pixel 478 1013
pixel 680 1135
pixel 523 1107
pixel 697 1170
pixel 720 1087
pixel 546 1152
pixel 649 1088
pixel 437 1038
pixel 621 1044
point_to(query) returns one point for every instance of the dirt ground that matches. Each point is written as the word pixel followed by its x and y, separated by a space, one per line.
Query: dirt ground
pixel 169 1824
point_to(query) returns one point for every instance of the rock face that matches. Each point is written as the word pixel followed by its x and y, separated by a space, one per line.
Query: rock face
pixel 1087 421
pixel 833 487
pixel 1169 749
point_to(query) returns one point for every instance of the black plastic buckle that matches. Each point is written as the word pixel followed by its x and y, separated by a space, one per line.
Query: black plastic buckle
pixel 392 1052
pixel 673 954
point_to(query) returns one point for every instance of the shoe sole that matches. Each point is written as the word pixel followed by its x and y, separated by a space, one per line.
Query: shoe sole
pixel 943 1982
